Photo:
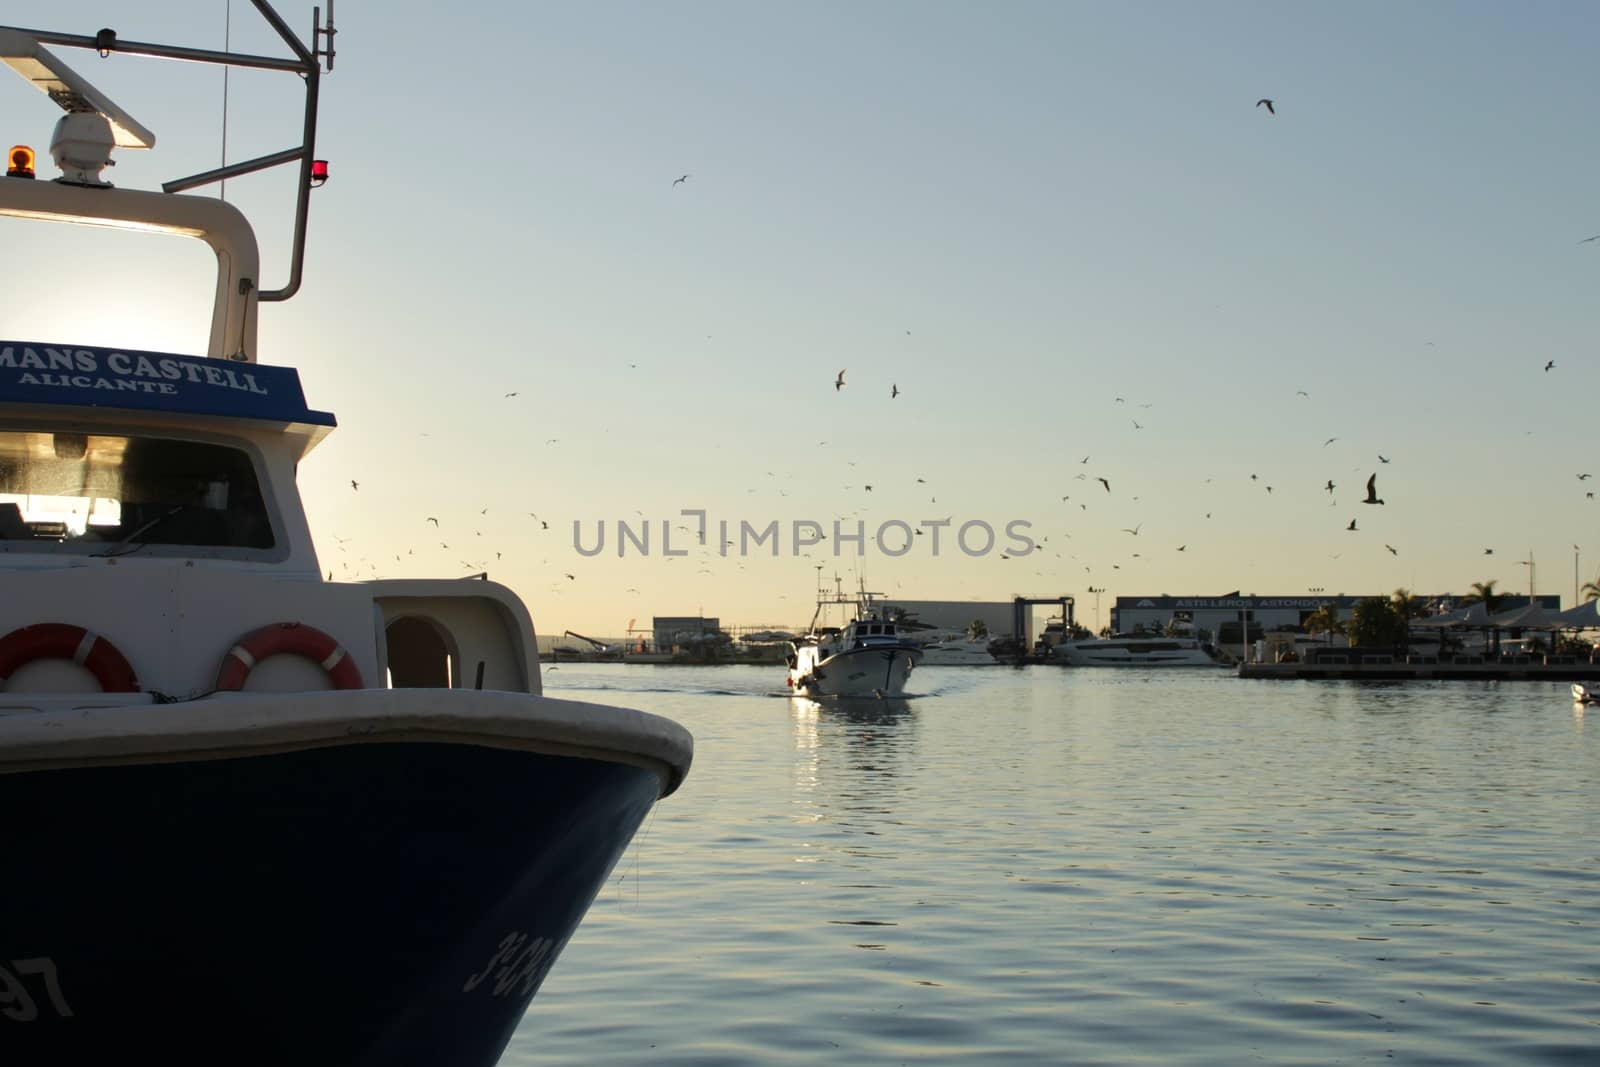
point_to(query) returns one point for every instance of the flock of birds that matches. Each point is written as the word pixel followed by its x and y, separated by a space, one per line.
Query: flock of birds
pixel 839 383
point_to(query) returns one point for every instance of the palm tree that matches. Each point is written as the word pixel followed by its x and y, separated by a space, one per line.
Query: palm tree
pixel 1483 593
pixel 1323 621
pixel 1407 606
pixel 1591 590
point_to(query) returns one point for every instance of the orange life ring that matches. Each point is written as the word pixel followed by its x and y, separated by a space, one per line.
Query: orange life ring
pixel 292 638
pixel 59 640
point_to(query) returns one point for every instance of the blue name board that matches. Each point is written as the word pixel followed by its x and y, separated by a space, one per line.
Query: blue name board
pixel 152 381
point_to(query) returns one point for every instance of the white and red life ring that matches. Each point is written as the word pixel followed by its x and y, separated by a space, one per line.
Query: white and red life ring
pixel 59 640
pixel 291 638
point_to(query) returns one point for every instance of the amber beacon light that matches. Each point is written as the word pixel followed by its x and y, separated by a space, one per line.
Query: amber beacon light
pixel 20 162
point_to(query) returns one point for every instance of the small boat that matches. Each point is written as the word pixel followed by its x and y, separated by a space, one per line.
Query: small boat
pixel 1586 692
pixel 944 646
pixel 868 656
pixel 1136 650
pixel 952 648
pixel 257 817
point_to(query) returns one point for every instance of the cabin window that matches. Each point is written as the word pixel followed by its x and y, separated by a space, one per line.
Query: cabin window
pixel 112 494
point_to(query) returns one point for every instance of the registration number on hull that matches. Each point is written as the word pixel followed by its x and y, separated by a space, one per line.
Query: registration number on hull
pixel 17 1001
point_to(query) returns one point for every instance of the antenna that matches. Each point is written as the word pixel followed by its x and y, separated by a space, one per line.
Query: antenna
pixel 318 32
pixel 227 44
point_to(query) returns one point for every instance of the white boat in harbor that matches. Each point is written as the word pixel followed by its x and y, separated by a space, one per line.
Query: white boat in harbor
pixel 1136 650
pixel 866 656
pixel 1586 692
pixel 231 781
pixel 952 648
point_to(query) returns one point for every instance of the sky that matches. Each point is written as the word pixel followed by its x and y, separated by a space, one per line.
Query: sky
pixel 1063 233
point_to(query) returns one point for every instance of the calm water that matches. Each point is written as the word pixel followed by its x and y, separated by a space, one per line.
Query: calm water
pixel 1047 866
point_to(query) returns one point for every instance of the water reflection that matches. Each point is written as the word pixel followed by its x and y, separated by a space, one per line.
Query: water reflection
pixel 865 710
pixel 856 721
pixel 852 754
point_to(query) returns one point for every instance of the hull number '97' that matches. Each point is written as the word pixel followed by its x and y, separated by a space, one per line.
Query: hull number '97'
pixel 17 1002
pixel 520 963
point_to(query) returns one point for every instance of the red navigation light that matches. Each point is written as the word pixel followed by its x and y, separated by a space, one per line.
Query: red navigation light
pixel 319 172
pixel 20 162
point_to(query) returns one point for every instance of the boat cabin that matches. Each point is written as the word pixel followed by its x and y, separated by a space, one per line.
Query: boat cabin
pixel 150 500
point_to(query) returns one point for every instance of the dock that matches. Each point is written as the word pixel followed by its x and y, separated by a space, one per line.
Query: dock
pixel 1388 668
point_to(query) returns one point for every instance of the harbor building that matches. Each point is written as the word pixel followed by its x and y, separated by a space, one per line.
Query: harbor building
pixel 1224 616
pixel 673 632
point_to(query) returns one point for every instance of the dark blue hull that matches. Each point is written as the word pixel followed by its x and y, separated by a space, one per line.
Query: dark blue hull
pixel 385 904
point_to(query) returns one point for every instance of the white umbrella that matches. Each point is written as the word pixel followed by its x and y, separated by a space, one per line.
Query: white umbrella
pixel 1582 617
pixel 1528 617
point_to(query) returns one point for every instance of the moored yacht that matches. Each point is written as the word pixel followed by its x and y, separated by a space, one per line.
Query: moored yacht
pixel 952 648
pixel 259 818
pixel 1136 650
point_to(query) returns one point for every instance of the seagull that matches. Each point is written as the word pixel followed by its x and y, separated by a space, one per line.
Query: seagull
pixel 511 394
pixel 1182 547
pixel 1586 240
pixel 681 180
pixel 1136 425
pixel 894 391
pixel 1264 100
pixel 1488 552
pixel 433 520
pixel 1134 531
pixel 1352 525
pixel 1330 486
pixel 1382 458
pixel 1583 477
pixel 354 484
pixel 838 383
pixel 1392 552
pixel 1302 392
pixel 1372 491
pixel 1548 365
pixel 1105 483
pixel 1329 441
pixel 572 577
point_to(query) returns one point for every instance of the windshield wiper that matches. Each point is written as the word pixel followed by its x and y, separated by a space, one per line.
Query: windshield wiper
pixel 138 530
